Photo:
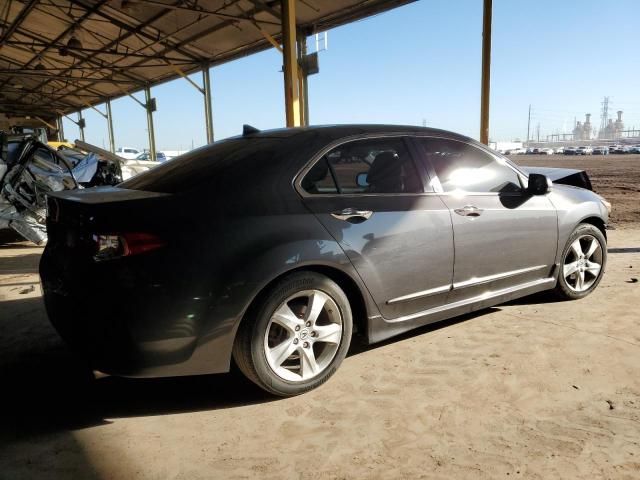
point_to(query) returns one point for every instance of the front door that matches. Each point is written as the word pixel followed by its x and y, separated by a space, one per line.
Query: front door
pixel 369 195
pixel 504 237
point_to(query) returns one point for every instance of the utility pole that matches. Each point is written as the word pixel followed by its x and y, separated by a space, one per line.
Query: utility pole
pixel 538 131
pixel 528 123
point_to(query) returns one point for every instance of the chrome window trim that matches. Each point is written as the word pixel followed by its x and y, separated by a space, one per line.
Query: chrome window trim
pixel 297 179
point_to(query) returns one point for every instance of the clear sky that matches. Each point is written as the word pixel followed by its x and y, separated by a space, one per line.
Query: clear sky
pixel 420 62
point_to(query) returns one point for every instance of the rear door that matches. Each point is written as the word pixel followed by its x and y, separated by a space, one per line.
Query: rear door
pixel 369 194
pixel 503 236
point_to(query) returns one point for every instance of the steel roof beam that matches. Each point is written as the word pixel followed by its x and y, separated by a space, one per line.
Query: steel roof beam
pixel 118 40
pixel 101 51
pixel 38 73
pixel 66 31
pixel 90 60
pixel 192 38
pixel 137 30
pixel 203 11
pixel 263 6
pixel 52 94
pixel 17 21
pixel 37 89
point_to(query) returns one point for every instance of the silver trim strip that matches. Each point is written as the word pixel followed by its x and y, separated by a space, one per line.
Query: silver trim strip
pixel 423 293
pixel 498 276
pixel 478 298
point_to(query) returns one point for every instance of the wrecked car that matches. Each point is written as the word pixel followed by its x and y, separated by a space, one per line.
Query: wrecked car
pixel 567 176
pixel 29 170
pixel 564 176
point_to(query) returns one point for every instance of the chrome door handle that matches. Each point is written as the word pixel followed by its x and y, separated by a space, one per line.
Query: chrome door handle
pixel 352 213
pixel 469 211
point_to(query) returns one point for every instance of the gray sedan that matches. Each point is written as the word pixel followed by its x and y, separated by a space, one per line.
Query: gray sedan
pixel 273 248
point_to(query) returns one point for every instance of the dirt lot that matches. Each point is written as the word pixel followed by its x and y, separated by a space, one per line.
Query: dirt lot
pixel 532 389
pixel 615 177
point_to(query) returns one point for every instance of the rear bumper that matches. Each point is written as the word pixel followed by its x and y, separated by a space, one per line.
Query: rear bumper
pixel 131 326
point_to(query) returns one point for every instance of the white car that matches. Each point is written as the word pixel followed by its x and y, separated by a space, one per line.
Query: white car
pixel 584 150
pixel 128 152
pixel 546 151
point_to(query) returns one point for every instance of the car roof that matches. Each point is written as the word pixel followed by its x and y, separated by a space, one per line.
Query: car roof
pixel 341 131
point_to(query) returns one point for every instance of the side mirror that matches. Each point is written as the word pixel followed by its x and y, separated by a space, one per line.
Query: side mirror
pixel 538 184
pixel 361 179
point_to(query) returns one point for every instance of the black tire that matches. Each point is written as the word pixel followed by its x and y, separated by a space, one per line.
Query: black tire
pixel 249 350
pixel 564 290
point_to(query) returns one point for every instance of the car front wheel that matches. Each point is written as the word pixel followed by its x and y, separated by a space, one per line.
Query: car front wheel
pixel 583 262
pixel 297 335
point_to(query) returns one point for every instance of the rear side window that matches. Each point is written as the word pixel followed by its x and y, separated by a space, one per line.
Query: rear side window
pixel 204 165
pixel 319 179
pixel 365 166
pixel 461 167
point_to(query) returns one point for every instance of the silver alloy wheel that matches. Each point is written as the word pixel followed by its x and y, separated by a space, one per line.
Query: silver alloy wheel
pixel 582 263
pixel 303 335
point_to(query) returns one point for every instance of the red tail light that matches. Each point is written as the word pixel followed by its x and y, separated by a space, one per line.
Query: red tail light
pixel 113 246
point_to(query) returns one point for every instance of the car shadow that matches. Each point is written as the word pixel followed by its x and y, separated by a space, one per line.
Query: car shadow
pixel 48 389
pixel 624 250
pixel 20 264
pixel 535 299
pixel 359 345
pixel 10 239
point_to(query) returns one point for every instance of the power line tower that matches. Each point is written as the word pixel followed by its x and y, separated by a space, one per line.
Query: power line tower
pixel 604 116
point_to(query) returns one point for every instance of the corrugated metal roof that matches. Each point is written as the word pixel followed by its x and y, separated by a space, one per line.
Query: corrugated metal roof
pixel 62 55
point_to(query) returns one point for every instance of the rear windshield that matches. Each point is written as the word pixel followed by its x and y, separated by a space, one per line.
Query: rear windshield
pixel 201 166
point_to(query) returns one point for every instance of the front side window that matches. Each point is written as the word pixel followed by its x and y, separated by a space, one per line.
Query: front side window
pixel 364 166
pixel 461 167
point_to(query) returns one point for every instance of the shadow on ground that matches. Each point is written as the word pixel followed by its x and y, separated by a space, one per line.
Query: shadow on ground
pixel 20 264
pixel 10 239
pixel 50 390
pixel 624 250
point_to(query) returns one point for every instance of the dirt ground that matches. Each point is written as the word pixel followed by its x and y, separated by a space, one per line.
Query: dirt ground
pixel 534 389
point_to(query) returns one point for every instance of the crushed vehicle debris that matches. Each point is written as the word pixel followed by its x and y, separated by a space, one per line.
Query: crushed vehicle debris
pixel 29 170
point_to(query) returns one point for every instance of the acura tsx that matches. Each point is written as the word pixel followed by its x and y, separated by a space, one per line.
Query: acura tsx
pixel 272 248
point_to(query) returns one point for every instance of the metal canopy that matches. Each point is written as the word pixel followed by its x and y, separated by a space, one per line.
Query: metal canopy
pixel 59 56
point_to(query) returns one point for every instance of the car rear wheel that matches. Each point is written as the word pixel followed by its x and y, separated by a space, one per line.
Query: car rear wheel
pixel 583 262
pixel 297 336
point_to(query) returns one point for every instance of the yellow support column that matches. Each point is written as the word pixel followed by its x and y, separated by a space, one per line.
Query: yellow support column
pixel 486 71
pixel 303 89
pixel 291 83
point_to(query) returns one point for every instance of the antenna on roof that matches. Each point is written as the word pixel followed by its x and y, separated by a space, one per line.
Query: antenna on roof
pixel 248 130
